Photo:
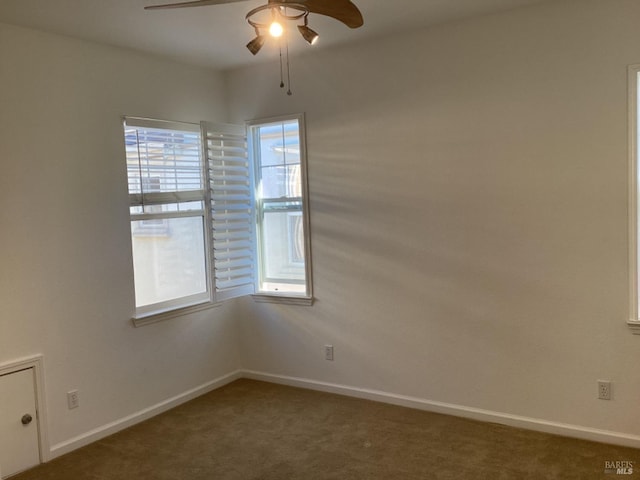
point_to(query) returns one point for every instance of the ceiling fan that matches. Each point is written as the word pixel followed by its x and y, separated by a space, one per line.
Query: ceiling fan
pixel 281 11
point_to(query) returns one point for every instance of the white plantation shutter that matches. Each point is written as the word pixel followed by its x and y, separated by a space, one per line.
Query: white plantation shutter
pixel 230 195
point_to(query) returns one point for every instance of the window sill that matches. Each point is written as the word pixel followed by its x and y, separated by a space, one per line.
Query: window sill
pixel 634 325
pixel 160 316
pixel 284 299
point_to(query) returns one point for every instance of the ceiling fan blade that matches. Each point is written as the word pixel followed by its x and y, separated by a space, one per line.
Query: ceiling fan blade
pixel 196 3
pixel 342 10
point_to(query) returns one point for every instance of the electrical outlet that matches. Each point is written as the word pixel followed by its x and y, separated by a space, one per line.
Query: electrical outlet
pixel 328 352
pixel 604 390
pixel 73 399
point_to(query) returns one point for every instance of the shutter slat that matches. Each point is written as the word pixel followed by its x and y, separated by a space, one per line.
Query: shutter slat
pixel 232 289
pixel 233 231
pixel 222 198
pixel 233 257
pixel 241 169
pixel 230 178
pixel 239 235
pixel 231 188
pixel 221 162
pixel 224 208
pixel 231 218
pixel 238 272
pixel 226 151
pixel 225 245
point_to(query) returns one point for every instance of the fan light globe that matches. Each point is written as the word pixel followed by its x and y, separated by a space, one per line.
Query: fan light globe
pixel 276 30
pixel 256 44
pixel 309 35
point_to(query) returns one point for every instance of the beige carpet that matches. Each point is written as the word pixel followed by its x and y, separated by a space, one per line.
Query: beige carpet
pixel 251 430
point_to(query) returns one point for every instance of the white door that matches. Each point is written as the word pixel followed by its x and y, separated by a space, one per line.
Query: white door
pixel 18 424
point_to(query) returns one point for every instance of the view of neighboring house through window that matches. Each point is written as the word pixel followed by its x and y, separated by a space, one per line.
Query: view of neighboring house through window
pixel 216 218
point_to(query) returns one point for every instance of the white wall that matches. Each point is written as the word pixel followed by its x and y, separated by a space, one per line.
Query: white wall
pixel 66 284
pixel 469 214
pixel 468 197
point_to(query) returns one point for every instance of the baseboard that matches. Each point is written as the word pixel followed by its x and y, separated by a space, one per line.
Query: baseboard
pixel 130 420
pixel 566 430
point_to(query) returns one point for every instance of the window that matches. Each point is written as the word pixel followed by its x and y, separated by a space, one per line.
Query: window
pixel 280 169
pixel 209 221
pixel 167 209
pixel 634 183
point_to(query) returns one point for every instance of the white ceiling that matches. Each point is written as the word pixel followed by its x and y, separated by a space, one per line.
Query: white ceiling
pixel 215 36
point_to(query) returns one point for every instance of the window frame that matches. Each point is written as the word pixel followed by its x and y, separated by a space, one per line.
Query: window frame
pixel 634 210
pixel 285 297
pixel 189 303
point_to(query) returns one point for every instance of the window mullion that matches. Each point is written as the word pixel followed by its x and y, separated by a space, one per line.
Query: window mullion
pixel 166 215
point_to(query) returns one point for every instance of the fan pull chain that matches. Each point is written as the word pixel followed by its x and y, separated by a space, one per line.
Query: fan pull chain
pixel 281 70
pixel 288 70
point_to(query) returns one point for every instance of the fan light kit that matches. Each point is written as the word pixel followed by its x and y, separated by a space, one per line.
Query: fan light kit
pixel 280 13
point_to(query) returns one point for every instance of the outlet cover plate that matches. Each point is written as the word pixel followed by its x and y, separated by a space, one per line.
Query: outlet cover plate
pixel 604 390
pixel 328 352
pixel 73 399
